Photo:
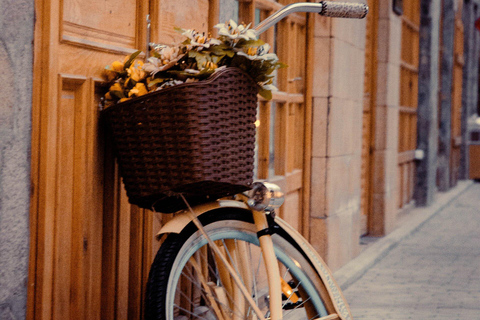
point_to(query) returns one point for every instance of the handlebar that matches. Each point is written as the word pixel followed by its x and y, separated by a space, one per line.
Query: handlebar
pixel 324 8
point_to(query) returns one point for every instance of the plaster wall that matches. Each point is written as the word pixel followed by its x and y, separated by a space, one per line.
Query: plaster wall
pixel 16 23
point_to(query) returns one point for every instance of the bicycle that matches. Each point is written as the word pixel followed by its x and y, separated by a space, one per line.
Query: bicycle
pixel 234 259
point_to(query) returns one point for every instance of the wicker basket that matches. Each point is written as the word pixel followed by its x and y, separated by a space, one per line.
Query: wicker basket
pixel 197 139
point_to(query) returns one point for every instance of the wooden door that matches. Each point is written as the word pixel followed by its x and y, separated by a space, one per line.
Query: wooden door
pixel 281 131
pixel 368 134
pixel 90 249
pixel 407 138
pixel 457 78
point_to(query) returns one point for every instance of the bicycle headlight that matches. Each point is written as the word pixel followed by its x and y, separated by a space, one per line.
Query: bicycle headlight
pixel 265 196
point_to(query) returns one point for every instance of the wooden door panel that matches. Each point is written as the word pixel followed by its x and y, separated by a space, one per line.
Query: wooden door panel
pixel 408 100
pixel 90 245
pixel 106 22
pixel 108 25
pixel 72 252
pixel 188 14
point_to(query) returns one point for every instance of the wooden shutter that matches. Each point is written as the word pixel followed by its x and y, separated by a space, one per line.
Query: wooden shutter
pixel 407 138
pixel 457 97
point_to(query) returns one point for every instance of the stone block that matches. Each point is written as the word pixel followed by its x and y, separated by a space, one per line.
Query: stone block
pixel 393 84
pixel 382 83
pixel 291 211
pixel 392 128
pixel 341 69
pixel 323 26
pixel 351 31
pixel 318 188
pixel 343 29
pixel 384 37
pixel 334 241
pixel 340 124
pixel 355 180
pixel 348 71
pixel 357 126
pixel 337 186
pixel 319 127
pixel 378 175
pixel 395 43
pixel 343 232
pixel 321 74
pixel 358 74
pixel 381 127
pixel 318 236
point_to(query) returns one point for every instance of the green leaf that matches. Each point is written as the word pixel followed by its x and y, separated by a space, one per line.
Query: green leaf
pixel 130 83
pixel 205 73
pixel 250 43
pixel 131 59
pixel 117 94
pixel 266 94
pixel 200 57
pixel 155 81
pixel 179 30
pixel 216 59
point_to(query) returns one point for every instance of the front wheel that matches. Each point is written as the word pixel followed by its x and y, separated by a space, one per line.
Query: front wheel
pixel 187 281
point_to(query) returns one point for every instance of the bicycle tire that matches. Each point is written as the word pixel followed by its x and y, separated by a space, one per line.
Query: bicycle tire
pixel 164 301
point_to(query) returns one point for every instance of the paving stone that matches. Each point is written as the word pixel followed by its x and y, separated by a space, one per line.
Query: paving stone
pixel 432 274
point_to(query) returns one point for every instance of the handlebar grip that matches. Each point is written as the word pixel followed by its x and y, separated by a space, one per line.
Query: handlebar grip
pixel 343 9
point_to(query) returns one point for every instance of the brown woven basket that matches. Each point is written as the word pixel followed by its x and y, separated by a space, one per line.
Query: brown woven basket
pixel 197 139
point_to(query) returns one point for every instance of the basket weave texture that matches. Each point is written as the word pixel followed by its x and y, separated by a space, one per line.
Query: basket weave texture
pixel 197 139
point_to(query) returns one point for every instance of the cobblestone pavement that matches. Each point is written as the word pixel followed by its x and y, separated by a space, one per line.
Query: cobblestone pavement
pixel 432 274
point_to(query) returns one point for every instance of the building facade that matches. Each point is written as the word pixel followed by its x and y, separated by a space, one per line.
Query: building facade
pixel 369 121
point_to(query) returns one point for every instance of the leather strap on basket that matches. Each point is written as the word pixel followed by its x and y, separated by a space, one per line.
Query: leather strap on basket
pixel 344 9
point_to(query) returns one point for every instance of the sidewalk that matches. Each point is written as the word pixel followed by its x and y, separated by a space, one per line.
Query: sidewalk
pixel 429 268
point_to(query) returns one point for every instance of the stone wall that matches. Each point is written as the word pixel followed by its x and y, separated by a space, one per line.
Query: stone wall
pixel 339 62
pixel 16 51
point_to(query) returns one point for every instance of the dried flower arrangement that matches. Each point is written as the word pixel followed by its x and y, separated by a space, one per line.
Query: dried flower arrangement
pixel 195 59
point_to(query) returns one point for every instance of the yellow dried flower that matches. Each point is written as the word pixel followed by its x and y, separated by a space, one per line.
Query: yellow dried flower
pixel 116 87
pixel 138 90
pixel 117 66
pixel 136 71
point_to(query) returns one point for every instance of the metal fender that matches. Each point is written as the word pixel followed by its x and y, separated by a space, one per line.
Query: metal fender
pixel 336 295
pixel 182 219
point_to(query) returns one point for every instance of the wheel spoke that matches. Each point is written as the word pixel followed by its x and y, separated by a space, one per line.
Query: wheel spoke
pixel 204 291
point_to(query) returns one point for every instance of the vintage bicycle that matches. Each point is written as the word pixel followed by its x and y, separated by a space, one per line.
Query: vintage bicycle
pixel 233 258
